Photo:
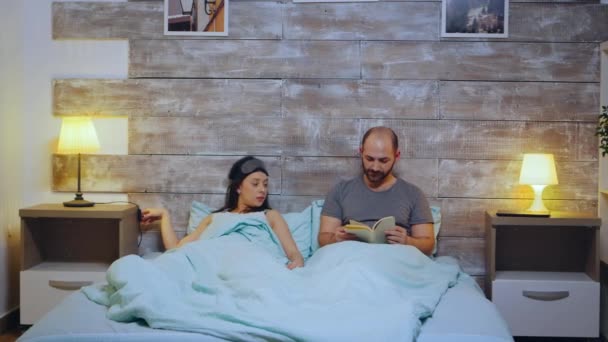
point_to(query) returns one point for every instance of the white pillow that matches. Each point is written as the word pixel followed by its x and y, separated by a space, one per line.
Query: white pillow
pixel 436 212
pixel 300 228
pixel 198 211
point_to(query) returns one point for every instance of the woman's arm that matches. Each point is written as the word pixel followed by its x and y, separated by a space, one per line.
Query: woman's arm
pixel 197 233
pixel 280 228
pixel 151 215
pixel 167 233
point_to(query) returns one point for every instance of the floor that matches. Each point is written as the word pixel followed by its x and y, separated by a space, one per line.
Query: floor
pixel 11 336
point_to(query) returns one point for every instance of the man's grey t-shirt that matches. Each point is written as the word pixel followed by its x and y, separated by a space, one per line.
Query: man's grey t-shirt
pixel 353 200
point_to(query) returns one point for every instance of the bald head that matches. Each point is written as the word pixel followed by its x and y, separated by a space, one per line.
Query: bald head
pixel 379 151
pixel 381 132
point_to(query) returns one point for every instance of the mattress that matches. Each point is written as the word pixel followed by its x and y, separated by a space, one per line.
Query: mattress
pixel 463 314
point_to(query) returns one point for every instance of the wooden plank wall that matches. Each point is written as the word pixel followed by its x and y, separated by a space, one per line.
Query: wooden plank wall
pixel 298 84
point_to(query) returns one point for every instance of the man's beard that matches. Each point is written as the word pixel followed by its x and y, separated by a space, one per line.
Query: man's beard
pixel 377 177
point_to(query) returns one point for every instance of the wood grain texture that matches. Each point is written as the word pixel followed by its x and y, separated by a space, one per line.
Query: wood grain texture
pixel 340 137
pixel 500 179
pixel 558 1
pixel 186 135
pixel 316 176
pixel 464 217
pixel 106 20
pixel 587 142
pixel 116 20
pixel 470 253
pixel 512 1
pixel 179 205
pixel 244 59
pixel 140 173
pixel 543 22
pixel 528 101
pixel 489 61
pixel 457 139
pixel 361 99
pixel 300 83
pixel 555 22
pixel 360 21
pixel 168 97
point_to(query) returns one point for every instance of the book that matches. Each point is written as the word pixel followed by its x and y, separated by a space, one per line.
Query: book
pixel 374 234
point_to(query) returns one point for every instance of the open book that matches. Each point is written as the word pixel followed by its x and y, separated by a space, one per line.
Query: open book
pixel 369 234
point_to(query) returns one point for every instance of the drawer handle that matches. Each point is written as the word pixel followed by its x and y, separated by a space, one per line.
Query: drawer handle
pixel 69 285
pixel 546 295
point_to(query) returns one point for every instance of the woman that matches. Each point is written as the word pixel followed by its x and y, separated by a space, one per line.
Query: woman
pixel 247 194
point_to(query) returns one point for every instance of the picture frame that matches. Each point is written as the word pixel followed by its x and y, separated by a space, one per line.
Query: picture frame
pixel 196 17
pixel 480 18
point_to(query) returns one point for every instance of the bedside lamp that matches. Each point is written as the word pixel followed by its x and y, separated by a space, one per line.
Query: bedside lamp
pixel 538 171
pixel 78 136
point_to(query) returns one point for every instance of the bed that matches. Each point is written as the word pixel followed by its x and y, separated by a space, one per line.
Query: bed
pixel 446 305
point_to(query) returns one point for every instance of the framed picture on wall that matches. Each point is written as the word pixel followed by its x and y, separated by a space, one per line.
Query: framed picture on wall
pixel 196 17
pixel 475 18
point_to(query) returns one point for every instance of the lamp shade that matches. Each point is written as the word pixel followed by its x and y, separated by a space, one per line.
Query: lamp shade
pixel 538 169
pixel 77 135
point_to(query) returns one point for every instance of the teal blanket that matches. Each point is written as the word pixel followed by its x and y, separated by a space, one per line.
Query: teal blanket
pixel 233 284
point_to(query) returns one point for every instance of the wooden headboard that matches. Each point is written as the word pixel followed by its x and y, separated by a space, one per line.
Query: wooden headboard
pixel 298 84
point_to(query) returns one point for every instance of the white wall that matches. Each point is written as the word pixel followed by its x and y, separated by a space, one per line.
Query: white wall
pixel 11 145
pixel 29 61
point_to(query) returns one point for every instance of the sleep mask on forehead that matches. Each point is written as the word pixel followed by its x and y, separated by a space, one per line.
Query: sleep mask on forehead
pixel 244 167
pixel 252 165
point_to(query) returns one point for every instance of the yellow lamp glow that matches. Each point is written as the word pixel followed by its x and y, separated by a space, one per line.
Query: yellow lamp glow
pixel 78 136
pixel 538 171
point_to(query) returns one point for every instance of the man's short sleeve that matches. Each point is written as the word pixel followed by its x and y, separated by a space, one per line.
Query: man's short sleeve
pixel 421 212
pixel 332 206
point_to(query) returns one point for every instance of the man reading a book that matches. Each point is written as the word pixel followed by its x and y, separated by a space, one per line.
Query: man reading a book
pixel 378 193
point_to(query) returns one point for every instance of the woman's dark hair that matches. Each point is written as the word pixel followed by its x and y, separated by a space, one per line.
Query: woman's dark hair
pixel 238 172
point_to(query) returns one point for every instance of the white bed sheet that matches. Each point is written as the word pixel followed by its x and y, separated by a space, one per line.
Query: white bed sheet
pixel 463 314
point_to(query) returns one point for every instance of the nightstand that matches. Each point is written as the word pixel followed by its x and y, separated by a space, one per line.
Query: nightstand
pixel 63 249
pixel 543 273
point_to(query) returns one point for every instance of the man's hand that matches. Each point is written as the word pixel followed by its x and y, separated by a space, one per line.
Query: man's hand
pixel 332 231
pixel 422 237
pixel 342 235
pixel 397 235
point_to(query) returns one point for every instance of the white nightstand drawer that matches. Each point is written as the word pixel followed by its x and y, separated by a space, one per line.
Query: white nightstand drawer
pixel 548 303
pixel 44 286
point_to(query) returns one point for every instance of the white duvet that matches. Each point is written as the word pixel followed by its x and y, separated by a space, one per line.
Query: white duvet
pixel 233 284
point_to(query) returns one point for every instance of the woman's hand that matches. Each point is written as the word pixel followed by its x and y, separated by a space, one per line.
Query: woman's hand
pixel 151 215
pixel 297 262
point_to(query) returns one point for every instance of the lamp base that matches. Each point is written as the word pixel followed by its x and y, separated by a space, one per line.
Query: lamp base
pixel 538 205
pixel 78 202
